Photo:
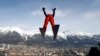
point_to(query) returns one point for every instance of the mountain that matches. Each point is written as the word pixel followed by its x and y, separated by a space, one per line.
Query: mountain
pixel 15 35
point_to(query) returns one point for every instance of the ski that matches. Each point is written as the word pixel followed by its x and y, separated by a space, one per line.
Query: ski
pixel 41 31
pixel 56 28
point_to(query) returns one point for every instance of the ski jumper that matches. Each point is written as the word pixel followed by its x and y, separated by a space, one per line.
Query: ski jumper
pixel 49 18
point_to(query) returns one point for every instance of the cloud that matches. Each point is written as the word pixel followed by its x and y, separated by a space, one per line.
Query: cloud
pixel 96 2
pixel 37 12
pixel 48 8
pixel 91 15
pixel 59 13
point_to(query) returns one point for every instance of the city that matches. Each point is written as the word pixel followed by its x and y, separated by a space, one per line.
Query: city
pixel 24 50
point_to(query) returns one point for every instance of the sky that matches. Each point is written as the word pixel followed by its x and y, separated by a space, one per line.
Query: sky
pixel 72 15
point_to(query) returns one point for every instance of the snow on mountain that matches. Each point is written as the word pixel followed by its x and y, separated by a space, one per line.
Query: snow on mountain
pixel 17 29
pixel 80 33
pixel 33 36
pixel 49 33
pixel 28 32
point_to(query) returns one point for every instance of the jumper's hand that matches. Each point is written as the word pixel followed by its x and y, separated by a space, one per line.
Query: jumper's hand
pixel 43 8
pixel 54 9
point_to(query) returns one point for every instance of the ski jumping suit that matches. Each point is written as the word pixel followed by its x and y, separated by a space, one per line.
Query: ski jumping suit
pixel 49 18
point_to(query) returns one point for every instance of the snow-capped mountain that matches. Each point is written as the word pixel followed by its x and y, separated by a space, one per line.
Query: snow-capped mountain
pixel 15 35
pixel 36 31
pixel 17 29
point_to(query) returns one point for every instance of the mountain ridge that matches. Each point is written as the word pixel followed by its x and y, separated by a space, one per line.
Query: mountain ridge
pixel 32 32
pixel 10 36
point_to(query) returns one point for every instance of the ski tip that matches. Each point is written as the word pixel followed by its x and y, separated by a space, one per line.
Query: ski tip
pixel 56 31
pixel 40 28
pixel 42 33
pixel 57 25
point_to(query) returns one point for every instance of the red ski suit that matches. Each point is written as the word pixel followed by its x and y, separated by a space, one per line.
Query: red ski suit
pixel 48 18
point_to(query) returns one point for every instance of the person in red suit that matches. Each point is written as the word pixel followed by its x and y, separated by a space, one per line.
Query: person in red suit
pixel 48 18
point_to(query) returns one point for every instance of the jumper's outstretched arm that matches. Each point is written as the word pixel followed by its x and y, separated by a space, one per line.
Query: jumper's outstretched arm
pixel 53 12
pixel 44 11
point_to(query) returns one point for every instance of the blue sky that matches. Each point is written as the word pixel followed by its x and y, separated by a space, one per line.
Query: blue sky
pixel 72 15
